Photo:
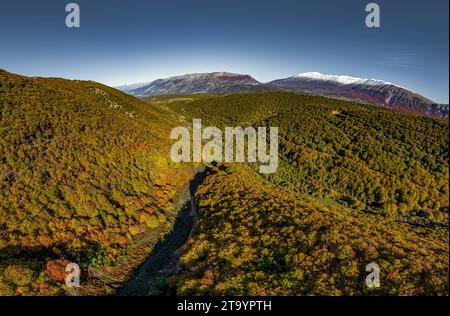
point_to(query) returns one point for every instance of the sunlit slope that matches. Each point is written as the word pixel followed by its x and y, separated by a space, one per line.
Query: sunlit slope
pixel 83 173
pixel 254 238
pixel 369 158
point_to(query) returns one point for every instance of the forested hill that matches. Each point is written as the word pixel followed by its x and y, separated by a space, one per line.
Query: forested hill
pixel 83 175
pixel 356 184
pixel 255 238
pixel 374 159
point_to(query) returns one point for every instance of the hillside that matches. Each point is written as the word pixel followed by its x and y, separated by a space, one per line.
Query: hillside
pixel 354 185
pixel 375 159
pixel 253 238
pixel 84 174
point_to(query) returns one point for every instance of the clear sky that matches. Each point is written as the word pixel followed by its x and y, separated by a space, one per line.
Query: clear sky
pixel 121 42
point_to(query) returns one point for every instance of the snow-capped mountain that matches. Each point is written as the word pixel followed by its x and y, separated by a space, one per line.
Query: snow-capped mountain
pixel 211 83
pixel 340 79
pixel 361 90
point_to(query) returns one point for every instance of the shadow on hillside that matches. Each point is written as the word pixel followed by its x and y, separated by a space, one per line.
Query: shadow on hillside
pixel 149 278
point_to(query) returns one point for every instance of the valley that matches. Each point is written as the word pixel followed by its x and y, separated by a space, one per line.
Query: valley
pixel 86 177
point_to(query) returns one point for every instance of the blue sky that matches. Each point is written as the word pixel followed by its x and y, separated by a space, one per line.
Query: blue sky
pixel 122 42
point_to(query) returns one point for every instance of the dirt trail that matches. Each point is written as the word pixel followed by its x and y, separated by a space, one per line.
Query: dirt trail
pixel 149 278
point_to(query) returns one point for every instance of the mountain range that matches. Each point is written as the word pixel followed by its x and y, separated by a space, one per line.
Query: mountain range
pixel 196 83
pixel 361 90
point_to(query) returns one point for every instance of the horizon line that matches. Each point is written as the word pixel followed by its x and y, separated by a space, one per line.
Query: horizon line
pixel 210 72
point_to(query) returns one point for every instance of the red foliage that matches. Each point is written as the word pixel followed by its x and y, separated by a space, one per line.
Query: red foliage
pixel 56 269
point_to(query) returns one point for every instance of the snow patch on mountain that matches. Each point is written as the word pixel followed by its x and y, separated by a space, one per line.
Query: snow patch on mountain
pixel 341 79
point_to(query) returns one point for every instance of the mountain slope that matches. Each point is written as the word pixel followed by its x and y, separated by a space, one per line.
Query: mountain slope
pixel 210 83
pixel 361 90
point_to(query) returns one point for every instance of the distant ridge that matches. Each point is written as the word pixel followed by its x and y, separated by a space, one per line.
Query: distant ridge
pixel 209 83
